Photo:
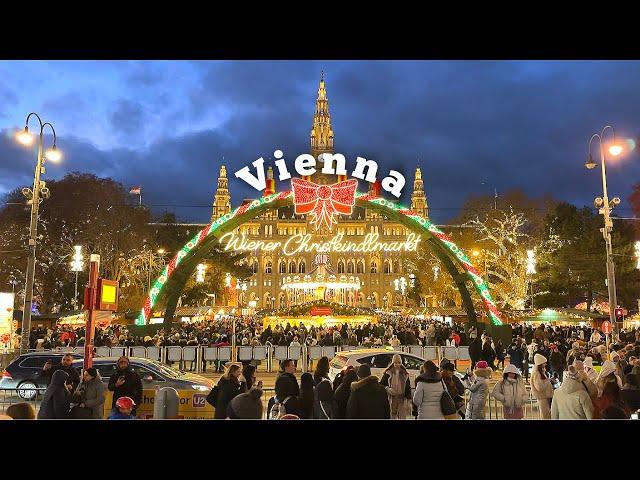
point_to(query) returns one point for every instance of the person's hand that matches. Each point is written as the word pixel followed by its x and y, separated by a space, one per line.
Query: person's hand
pixel 47 366
pixel 82 405
pixel 120 382
pixel 259 384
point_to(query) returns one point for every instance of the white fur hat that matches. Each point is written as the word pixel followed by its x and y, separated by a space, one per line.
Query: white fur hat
pixel 539 359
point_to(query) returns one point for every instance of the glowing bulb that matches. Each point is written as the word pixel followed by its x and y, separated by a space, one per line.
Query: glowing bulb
pixel 24 137
pixel 475 253
pixel 615 150
pixel 53 154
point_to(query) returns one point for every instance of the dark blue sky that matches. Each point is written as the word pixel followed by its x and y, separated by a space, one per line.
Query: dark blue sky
pixel 470 125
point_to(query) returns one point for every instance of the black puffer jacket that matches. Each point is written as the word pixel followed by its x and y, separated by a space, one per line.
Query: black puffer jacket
pixel 228 389
pixel 57 399
pixel 132 386
pixel 368 399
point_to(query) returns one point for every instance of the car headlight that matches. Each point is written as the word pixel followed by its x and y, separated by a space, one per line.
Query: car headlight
pixel 202 388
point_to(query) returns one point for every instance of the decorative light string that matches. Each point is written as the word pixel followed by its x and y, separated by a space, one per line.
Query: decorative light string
pixel 477 280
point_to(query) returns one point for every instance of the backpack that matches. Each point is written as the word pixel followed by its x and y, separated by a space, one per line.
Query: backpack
pixel 278 409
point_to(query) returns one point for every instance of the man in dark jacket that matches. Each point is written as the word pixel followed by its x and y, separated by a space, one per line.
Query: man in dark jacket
pixel 475 351
pixel 516 354
pixel 56 401
pixel 125 383
pixel 368 398
pixel 343 392
pixel 66 366
pixel 287 390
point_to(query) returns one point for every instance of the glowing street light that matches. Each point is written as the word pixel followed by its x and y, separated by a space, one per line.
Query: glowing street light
pixel 200 272
pixel 637 249
pixel 615 150
pixel 531 262
pixel 34 196
pixel 77 266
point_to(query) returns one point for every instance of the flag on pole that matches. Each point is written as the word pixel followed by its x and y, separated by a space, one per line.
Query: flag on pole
pixel 135 190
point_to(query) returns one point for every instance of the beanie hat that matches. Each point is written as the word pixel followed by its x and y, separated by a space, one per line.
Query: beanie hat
pixel 482 364
pixel 364 370
pixel 588 362
pixel 539 359
pixel 248 405
pixel 92 371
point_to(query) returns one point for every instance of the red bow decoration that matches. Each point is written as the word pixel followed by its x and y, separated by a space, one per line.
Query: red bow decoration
pixel 323 202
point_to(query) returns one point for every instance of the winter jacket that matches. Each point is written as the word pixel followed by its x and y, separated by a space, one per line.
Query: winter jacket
pixel 247 405
pixel 631 397
pixel 287 388
pixel 92 394
pixel 74 376
pixel 342 394
pixel 387 379
pixel 132 386
pixel 429 390
pixel 56 401
pixel 541 387
pixel 571 401
pixel 228 389
pixel 515 356
pixel 510 394
pixel 479 389
pixel 368 400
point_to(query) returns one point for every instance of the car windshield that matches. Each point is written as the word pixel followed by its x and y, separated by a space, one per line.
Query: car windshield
pixel 166 371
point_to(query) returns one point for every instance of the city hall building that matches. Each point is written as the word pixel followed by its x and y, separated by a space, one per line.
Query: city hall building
pixel 287 270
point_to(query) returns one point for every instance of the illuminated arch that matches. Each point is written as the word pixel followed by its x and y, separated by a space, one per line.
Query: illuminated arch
pixel 174 276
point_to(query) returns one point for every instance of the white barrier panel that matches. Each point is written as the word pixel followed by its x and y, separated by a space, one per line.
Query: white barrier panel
pixel 295 352
pixel 430 353
pixel 259 353
pixel 117 351
pixel 463 353
pixel 281 353
pixel 189 353
pixel 315 352
pixel 139 352
pixel 103 351
pixel 79 350
pixel 415 350
pixel 153 353
pixel 245 353
pixel 210 354
pixel 347 348
pixel 174 354
pixel 450 353
pixel 329 352
pixel 224 353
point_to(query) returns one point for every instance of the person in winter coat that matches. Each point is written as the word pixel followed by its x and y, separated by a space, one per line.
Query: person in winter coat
pixel 322 371
pixel 488 353
pixel 368 399
pixel 343 392
pixel 630 392
pixel 511 392
pixel 476 383
pixel 56 401
pixel 541 386
pixel 611 398
pixel 428 393
pixel 324 406
pixel 66 365
pixel 607 374
pixel 398 385
pixel 90 393
pixel 475 351
pixel 588 368
pixel 307 395
pixel 247 405
pixel 125 383
pixel 228 388
pixel 287 390
pixel 453 383
pixel 557 363
pixel 248 377
pixel 516 354
pixel 572 401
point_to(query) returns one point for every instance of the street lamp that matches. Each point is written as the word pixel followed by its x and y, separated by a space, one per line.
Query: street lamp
pixel 605 209
pixel 34 197
pixel 531 270
pixel 77 265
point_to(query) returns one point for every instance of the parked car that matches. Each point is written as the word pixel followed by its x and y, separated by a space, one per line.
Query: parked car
pixel 22 373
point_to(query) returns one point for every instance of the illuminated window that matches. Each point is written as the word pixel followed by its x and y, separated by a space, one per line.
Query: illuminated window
pixel 340 266
pixel 282 268
pixel 374 267
pixel 387 267
pixel 268 268
pixel 360 267
pixel 350 267
pixel 292 267
pixel 302 267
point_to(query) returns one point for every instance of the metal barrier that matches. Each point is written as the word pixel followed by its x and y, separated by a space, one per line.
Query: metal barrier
pixel 9 396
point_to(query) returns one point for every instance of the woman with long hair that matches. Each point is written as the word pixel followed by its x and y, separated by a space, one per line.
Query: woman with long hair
pixel 228 388
pixel 610 401
pixel 541 386
pixel 322 370
pixel 307 395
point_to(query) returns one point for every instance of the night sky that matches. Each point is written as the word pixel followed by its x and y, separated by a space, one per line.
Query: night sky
pixel 471 125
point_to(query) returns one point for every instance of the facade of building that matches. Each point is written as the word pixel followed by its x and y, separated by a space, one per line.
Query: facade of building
pixel 381 276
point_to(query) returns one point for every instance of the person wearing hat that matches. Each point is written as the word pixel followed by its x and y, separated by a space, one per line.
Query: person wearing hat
pixel 607 374
pixel 453 383
pixel 125 382
pixel 89 396
pixel 572 400
pixel 476 382
pixel 541 386
pixel 123 409
pixel 368 399
pixel 511 392
pixel 589 370
pixel 398 385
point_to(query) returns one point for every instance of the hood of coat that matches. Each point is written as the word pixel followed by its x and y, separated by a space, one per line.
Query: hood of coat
pixel 571 385
pixel 59 377
pixel 364 382
pixel 608 367
pixel 426 378
pixel 511 369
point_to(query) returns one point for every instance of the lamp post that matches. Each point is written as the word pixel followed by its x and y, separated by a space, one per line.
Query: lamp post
pixel 34 197
pixel 531 270
pixel 77 265
pixel 605 208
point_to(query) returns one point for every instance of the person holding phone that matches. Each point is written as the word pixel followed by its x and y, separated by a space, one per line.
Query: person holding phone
pixel 125 383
